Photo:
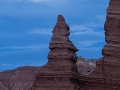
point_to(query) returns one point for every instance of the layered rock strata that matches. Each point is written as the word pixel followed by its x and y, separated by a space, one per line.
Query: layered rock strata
pixel 60 73
pixel 111 50
pixel 107 74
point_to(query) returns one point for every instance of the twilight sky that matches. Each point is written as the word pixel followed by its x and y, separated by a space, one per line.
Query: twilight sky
pixel 26 26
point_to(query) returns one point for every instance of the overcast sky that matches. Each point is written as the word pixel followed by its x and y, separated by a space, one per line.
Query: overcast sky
pixel 26 26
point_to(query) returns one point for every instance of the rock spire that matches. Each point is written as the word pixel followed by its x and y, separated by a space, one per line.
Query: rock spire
pixel 60 73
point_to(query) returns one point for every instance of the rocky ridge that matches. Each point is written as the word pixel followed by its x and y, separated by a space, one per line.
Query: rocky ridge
pixel 18 79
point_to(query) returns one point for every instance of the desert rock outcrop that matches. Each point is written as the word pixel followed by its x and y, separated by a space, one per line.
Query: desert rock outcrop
pixel 60 73
pixel 111 50
pixel 106 76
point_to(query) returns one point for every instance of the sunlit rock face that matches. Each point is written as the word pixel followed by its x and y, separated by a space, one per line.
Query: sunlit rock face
pixel 60 73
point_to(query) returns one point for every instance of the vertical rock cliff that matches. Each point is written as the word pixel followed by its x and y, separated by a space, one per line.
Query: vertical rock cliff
pixel 60 73
pixel 106 76
pixel 111 50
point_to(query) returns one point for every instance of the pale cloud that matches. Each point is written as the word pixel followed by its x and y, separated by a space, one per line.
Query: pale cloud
pixel 93 24
pixel 6 34
pixel 82 29
pixel 91 27
pixel 36 0
pixel 21 48
pixel 6 64
pixel 39 0
pixel 101 17
pixel 88 33
pixel 17 1
pixel 93 32
pixel 91 48
pixel 12 1
pixel 84 44
pixel 41 31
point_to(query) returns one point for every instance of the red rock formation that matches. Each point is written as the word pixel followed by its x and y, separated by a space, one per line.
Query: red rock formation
pixel 111 50
pixel 107 74
pixel 60 73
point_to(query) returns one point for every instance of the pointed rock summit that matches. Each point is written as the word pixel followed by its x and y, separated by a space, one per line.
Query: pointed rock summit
pixel 60 18
pixel 60 73
pixel 61 28
pixel 60 44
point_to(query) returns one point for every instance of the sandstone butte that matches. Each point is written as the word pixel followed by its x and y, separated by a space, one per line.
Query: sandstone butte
pixel 61 73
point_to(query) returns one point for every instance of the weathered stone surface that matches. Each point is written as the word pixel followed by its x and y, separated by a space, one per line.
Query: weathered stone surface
pixel 106 76
pixel 21 78
pixel 60 73
pixel 111 50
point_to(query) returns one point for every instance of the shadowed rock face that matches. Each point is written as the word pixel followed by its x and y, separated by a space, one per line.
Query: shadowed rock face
pixel 60 73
